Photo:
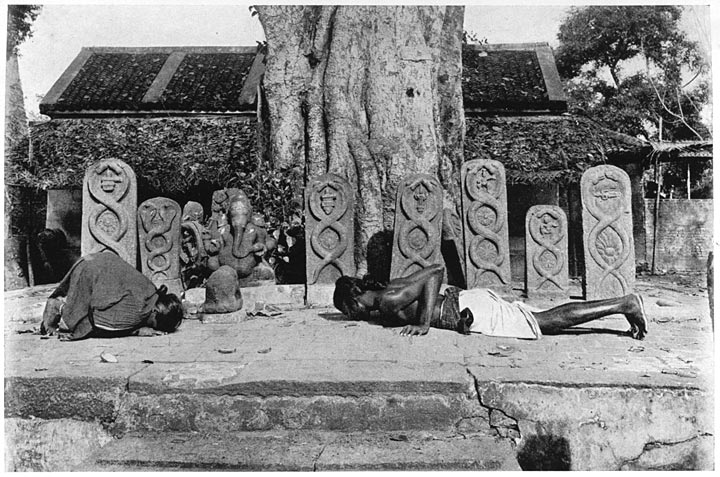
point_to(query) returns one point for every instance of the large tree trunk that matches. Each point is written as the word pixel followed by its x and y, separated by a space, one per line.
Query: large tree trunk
pixel 16 129
pixel 368 92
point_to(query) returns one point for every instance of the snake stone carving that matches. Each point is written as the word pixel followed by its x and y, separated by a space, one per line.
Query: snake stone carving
pixel 329 227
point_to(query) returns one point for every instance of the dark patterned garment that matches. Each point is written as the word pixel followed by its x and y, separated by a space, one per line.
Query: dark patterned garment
pixel 105 293
pixel 450 316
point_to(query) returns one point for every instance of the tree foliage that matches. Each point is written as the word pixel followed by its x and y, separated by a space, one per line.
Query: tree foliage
pixel 636 109
pixel 654 102
pixel 19 26
pixel 607 35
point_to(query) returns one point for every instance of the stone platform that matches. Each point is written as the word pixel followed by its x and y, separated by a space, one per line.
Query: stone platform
pixel 326 393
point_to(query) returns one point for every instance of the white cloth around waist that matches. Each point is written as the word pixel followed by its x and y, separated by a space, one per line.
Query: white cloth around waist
pixel 494 316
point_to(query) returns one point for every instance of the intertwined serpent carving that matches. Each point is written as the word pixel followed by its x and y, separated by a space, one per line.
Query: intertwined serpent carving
pixel 328 210
pixel 420 203
pixel 548 241
pixel 166 212
pixel 108 187
pixel 603 200
pixel 485 218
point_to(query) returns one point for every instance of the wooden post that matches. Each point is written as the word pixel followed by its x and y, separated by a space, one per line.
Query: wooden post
pixel 658 180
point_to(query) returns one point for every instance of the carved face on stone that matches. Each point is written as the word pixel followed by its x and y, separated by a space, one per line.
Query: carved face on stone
pixel 109 178
pixel 548 226
pixel 421 195
pixel 328 199
pixel 607 191
pixel 485 181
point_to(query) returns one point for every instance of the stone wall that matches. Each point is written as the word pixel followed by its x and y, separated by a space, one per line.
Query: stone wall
pixel 685 234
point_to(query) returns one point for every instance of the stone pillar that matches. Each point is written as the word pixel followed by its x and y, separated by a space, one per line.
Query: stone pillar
pixel 109 208
pixel 159 234
pixel 546 251
pixel 607 233
pixel 484 204
pixel 418 225
pixel 329 235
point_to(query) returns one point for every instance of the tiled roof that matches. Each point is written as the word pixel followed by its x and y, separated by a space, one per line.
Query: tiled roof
pixel 683 150
pixel 208 82
pixel 161 80
pixel 112 81
pixel 175 80
pixel 511 77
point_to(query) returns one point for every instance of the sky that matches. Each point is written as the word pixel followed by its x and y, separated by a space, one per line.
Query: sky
pixel 60 31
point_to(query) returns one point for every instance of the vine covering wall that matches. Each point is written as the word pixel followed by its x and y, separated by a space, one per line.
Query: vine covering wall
pixel 170 156
pixel 544 150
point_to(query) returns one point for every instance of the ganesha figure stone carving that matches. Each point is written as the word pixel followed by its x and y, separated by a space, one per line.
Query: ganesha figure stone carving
pixel 607 233
pixel 159 237
pixel 329 229
pixel 418 225
pixel 484 205
pixel 546 251
pixel 244 243
pixel 109 205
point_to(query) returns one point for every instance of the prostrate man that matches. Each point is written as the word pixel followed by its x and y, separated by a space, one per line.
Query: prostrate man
pixel 415 302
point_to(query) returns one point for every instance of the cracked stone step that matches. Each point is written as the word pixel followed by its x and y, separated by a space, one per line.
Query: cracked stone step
pixel 304 451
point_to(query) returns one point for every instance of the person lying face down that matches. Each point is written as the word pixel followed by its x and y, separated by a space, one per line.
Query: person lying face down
pixel 103 296
pixel 415 303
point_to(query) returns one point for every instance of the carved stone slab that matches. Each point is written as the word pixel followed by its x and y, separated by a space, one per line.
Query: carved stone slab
pixel 109 204
pixel 159 234
pixel 607 233
pixel 329 233
pixel 193 211
pixel 546 251
pixel 418 225
pixel 484 204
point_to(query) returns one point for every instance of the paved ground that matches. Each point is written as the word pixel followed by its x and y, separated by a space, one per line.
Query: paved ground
pixel 317 352
pixel 677 350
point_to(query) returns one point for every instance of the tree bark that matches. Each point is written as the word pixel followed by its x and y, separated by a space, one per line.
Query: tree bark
pixel 16 128
pixel 371 93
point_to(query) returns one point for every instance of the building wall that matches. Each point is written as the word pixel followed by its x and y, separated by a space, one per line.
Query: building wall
pixel 684 234
pixel 64 212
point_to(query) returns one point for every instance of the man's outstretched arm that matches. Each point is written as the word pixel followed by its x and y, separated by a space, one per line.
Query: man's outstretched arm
pixel 427 300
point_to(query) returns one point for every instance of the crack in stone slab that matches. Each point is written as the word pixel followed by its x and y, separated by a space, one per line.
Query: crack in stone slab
pixel 504 425
pixel 649 446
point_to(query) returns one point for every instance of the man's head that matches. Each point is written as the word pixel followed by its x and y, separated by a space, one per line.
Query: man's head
pixel 168 311
pixel 345 297
pixel 348 293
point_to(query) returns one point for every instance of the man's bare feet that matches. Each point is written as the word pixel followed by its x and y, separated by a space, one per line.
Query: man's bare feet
pixel 51 316
pixel 636 317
